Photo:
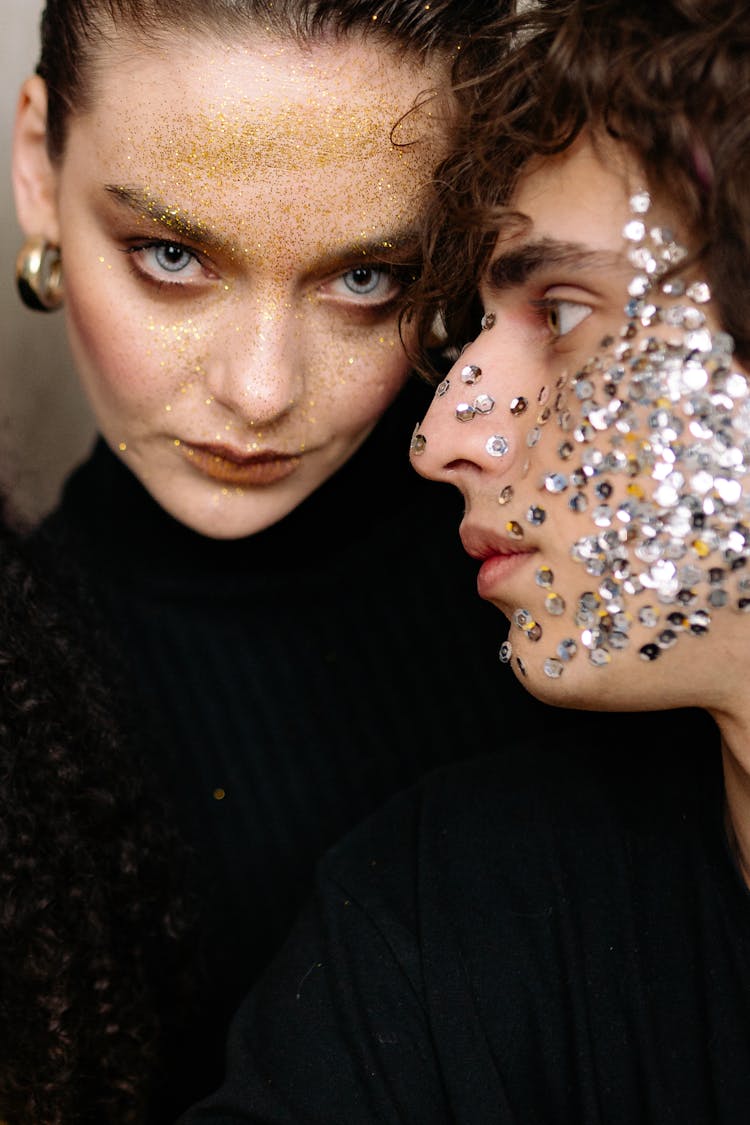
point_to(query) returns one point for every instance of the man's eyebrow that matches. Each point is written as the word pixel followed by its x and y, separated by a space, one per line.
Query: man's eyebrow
pixel 516 267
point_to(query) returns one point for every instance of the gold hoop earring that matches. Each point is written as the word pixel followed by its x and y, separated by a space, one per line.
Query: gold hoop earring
pixel 39 275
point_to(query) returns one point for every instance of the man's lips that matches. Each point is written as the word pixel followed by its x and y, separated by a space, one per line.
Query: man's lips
pixel 500 557
pixel 481 543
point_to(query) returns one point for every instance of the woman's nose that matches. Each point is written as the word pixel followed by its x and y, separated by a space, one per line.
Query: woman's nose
pixel 474 425
pixel 258 367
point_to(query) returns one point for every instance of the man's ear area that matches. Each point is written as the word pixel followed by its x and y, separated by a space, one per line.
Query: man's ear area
pixel 35 177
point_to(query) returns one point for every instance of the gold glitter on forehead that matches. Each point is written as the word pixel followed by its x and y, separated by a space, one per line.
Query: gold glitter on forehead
pixel 296 137
pixel 320 154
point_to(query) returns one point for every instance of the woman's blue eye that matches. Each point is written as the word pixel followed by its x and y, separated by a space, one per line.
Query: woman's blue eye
pixel 363 280
pixel 171 257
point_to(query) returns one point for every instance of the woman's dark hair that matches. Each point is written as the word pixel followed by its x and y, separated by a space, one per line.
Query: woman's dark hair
pixel 669 79
pixel 73 29
pixel 87 915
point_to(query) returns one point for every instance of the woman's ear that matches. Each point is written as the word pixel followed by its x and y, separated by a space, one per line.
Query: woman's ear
pixel 35 177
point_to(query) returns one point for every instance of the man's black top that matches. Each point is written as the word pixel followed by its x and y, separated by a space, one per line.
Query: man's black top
pixel 552 935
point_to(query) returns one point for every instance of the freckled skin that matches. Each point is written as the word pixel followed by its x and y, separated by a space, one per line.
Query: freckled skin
pixel 273 166
pixel 552 334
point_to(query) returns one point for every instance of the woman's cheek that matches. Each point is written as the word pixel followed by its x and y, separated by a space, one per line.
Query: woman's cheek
pixel 369 375
pixel 130 359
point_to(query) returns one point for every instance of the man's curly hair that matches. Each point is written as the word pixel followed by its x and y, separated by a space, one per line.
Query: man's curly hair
pixel 87 915
pixel 670 79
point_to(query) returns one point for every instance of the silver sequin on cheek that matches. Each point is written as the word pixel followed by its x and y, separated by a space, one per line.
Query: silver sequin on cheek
pixel 544 577
pixel 497 445
pixel 567 649
pixel 488 321
pixel 657 448
pixel 418 444
pixel 554 604
pixel 471 373
pixel 464 412
pixel 443 388
pixel 556 482
pixel 484 404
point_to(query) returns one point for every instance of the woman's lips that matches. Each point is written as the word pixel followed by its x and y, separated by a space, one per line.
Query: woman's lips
pixel 500 558
pixel 231 466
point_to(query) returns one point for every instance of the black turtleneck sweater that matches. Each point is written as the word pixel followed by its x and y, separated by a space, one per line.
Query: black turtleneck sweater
pixel 289 682
pixel 554 936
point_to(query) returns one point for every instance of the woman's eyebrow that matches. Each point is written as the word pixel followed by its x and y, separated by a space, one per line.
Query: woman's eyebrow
pixel 398 247
pixel 401 247
pixel 518 266
pixel 144 203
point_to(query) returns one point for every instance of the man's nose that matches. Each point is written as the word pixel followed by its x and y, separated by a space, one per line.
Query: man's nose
pixel 475 424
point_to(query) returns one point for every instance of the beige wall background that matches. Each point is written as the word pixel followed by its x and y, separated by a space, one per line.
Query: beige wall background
pixel 45 425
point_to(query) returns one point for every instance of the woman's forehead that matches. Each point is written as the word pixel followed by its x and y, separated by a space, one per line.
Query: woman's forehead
pixel 219 130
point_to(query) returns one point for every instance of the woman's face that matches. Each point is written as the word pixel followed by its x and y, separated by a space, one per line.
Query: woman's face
pixel 599 430
pixel 231 220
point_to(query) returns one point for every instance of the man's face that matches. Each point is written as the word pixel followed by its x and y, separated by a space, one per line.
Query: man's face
pixel 598 430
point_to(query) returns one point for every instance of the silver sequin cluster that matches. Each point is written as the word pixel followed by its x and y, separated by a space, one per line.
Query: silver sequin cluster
pixel 676 413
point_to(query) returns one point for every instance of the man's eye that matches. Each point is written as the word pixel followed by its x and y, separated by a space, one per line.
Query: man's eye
pixel 564 316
